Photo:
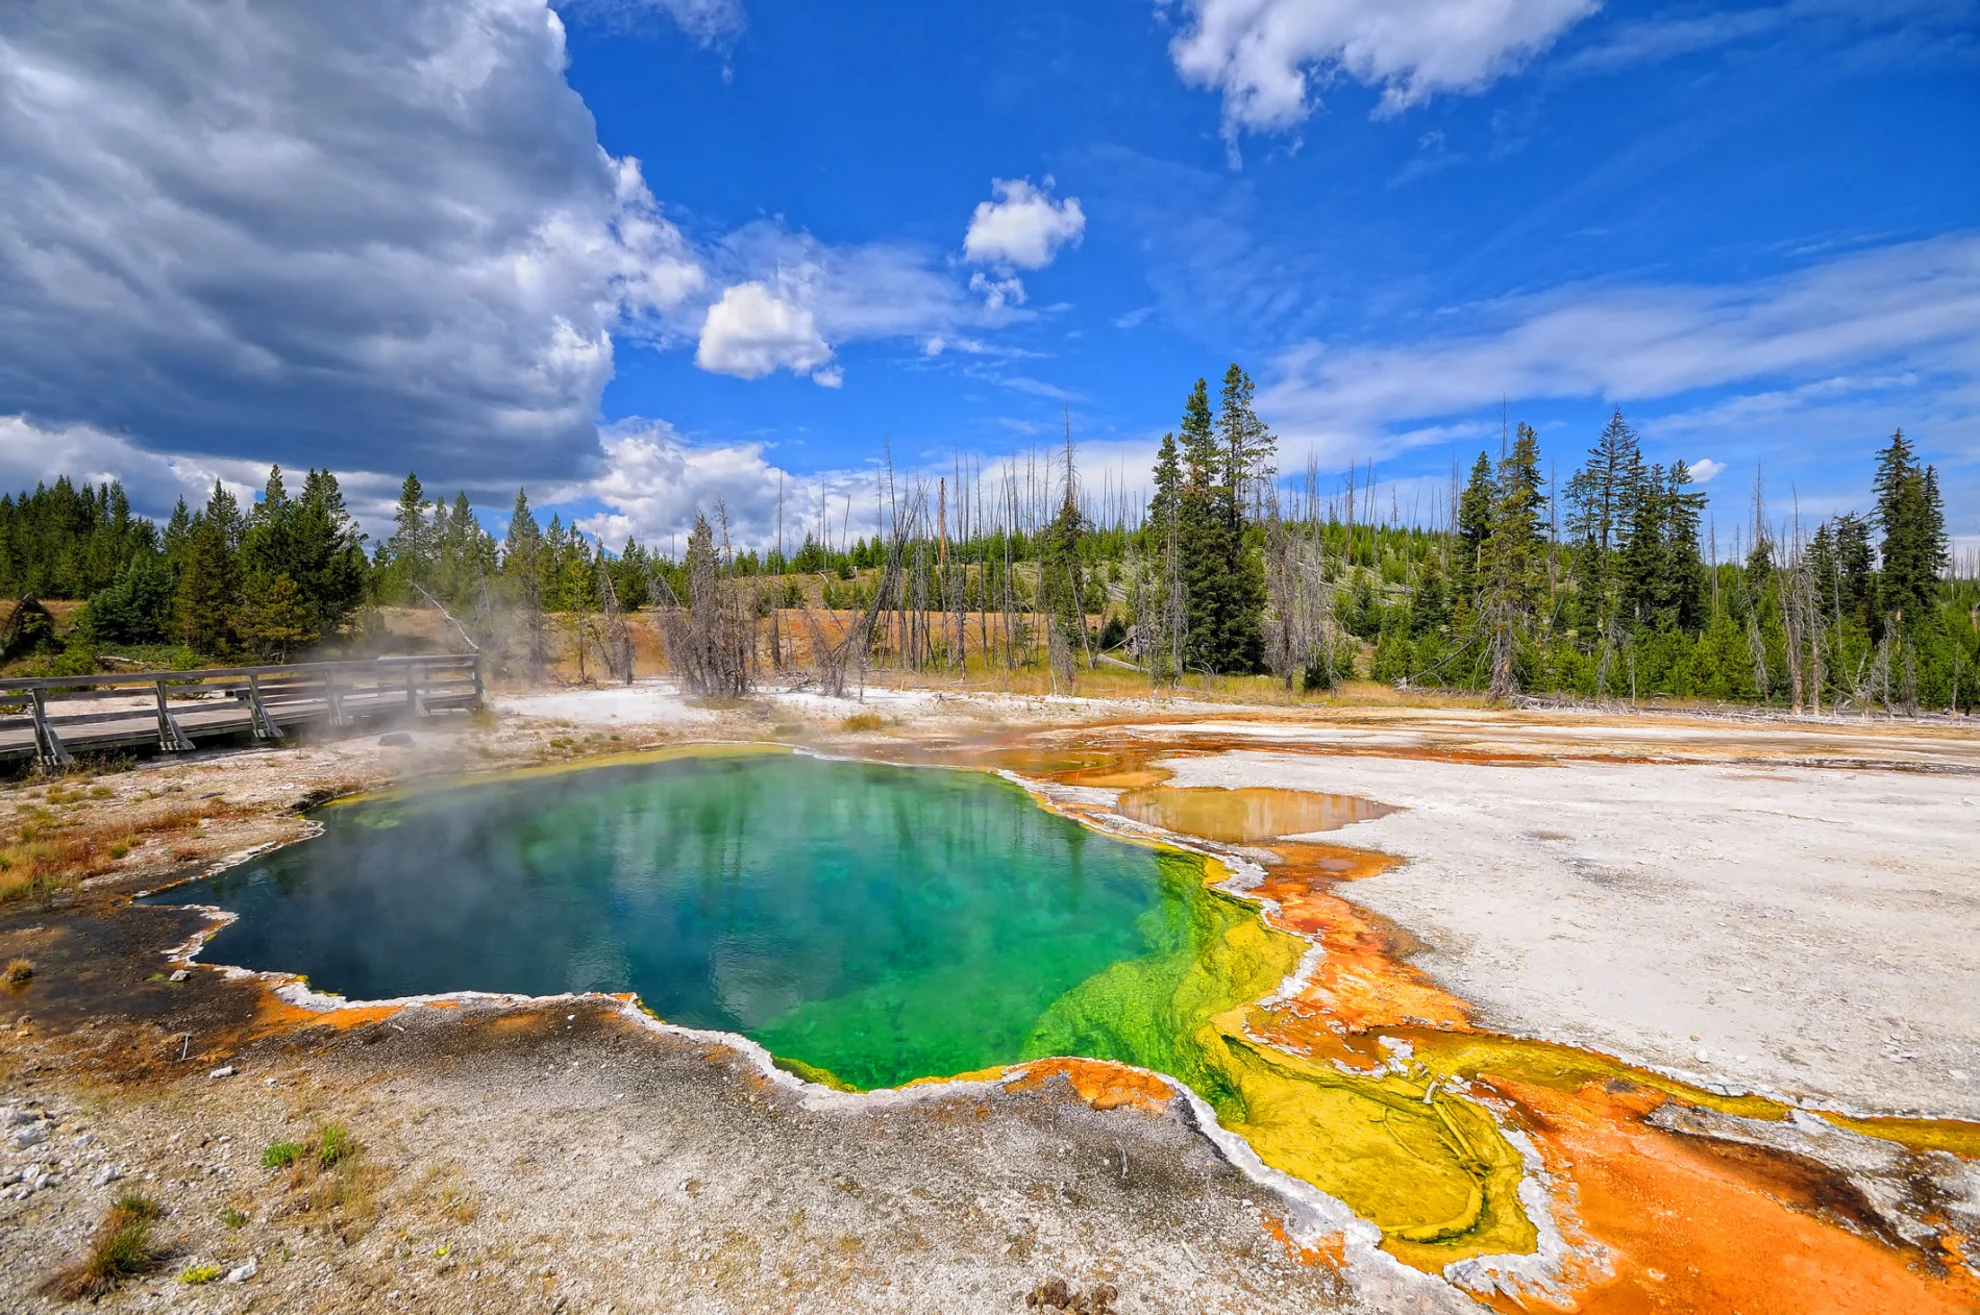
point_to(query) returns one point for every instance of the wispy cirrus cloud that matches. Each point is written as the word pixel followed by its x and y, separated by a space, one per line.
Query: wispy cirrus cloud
pixel 1804 372
pixel 1917 304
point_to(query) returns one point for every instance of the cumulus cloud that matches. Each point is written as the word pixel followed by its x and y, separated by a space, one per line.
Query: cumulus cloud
pixel 1705 470
pixel 752 332
pixel 796 300
pixel 32 454
pixel 367 227
pixel 1023 227
pixel 653 483
pixel 1266 56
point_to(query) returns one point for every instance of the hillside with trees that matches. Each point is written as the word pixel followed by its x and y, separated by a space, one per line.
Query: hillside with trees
pixel 1609 583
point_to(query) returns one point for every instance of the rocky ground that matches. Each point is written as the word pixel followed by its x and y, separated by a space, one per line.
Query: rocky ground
pixel 566 1156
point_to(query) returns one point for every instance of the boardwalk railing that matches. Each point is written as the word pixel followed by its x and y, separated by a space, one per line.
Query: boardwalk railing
pixel 46 717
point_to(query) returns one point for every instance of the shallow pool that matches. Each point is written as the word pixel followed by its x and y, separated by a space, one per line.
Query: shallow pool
pixel 880 923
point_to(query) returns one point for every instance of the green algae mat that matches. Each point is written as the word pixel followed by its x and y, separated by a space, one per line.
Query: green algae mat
pixel 866 923
pixel 869 924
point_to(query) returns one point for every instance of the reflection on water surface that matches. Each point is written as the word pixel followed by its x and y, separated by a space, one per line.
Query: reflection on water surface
pixel 882 923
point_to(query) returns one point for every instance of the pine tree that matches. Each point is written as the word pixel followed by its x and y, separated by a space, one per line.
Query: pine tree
pixel 209 589
pixel 177 530
pixel 1913 521
pixel 1203 539
pixel 1684 509
pixel 1474 525
pixel 136 608
pixel 223 512
pixel 1643 566
pixel 1599 491
pixel 1508 558
pixel 276 617
pixel 1248 448
pixel 1598 497
pixel 522 576
pixel 1856 565
pixel 1061 581
pixel 328 562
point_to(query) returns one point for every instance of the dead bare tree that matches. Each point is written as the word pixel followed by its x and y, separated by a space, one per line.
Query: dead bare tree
pixel 711 639
pixel 615 641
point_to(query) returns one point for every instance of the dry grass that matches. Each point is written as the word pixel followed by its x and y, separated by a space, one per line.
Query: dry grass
pixel 121 1248
pixel 18 972
pixel 863 721
pixel 49 845
pixel 328 1180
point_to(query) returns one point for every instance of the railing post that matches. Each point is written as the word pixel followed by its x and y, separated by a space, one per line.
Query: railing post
pixel 48 749
pixel 263 724
pixel 170 738
pixel 480 694
pixel 332 700
pixel 414 704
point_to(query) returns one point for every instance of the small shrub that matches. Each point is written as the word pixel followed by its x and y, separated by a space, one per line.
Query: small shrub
pixel 122 1248
pixel 231 1218
pixel 119 849
pixel 863 721
pixel 334 1143
pixel 282 1154
pixel 196 1274
pixel 18 972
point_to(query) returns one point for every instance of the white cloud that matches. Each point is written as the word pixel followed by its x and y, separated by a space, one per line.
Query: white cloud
pixel 1918 302
pixel 752 332
pixel 794 300
pixel 1264 56
pixel 997 293
pixel 653 483
pixel 711 22
pixel 1705 470
pixel 1024 227
pixel 32 454
pixel 1667 38
pixel 366 227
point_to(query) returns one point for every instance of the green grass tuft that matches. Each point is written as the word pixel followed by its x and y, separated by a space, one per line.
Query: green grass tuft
pixel 334 1143
pixel 282 1154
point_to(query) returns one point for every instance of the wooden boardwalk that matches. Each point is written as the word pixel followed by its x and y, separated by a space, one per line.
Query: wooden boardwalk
pixel 49 718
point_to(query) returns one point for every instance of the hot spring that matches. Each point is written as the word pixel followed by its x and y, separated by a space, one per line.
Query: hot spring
pixel 867 924
pixel 871 924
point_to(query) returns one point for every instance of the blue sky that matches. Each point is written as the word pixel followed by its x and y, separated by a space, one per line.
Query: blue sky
pixel 416 235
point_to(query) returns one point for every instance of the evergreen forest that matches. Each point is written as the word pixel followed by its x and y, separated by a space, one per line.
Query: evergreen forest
pixel 1614 581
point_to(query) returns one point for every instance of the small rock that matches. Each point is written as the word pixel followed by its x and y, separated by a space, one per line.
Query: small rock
pixel 31 1135
pixel 108 1174
pixel 395 738
pixel 242 1273
pixel 224 1071
pixel 178 975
